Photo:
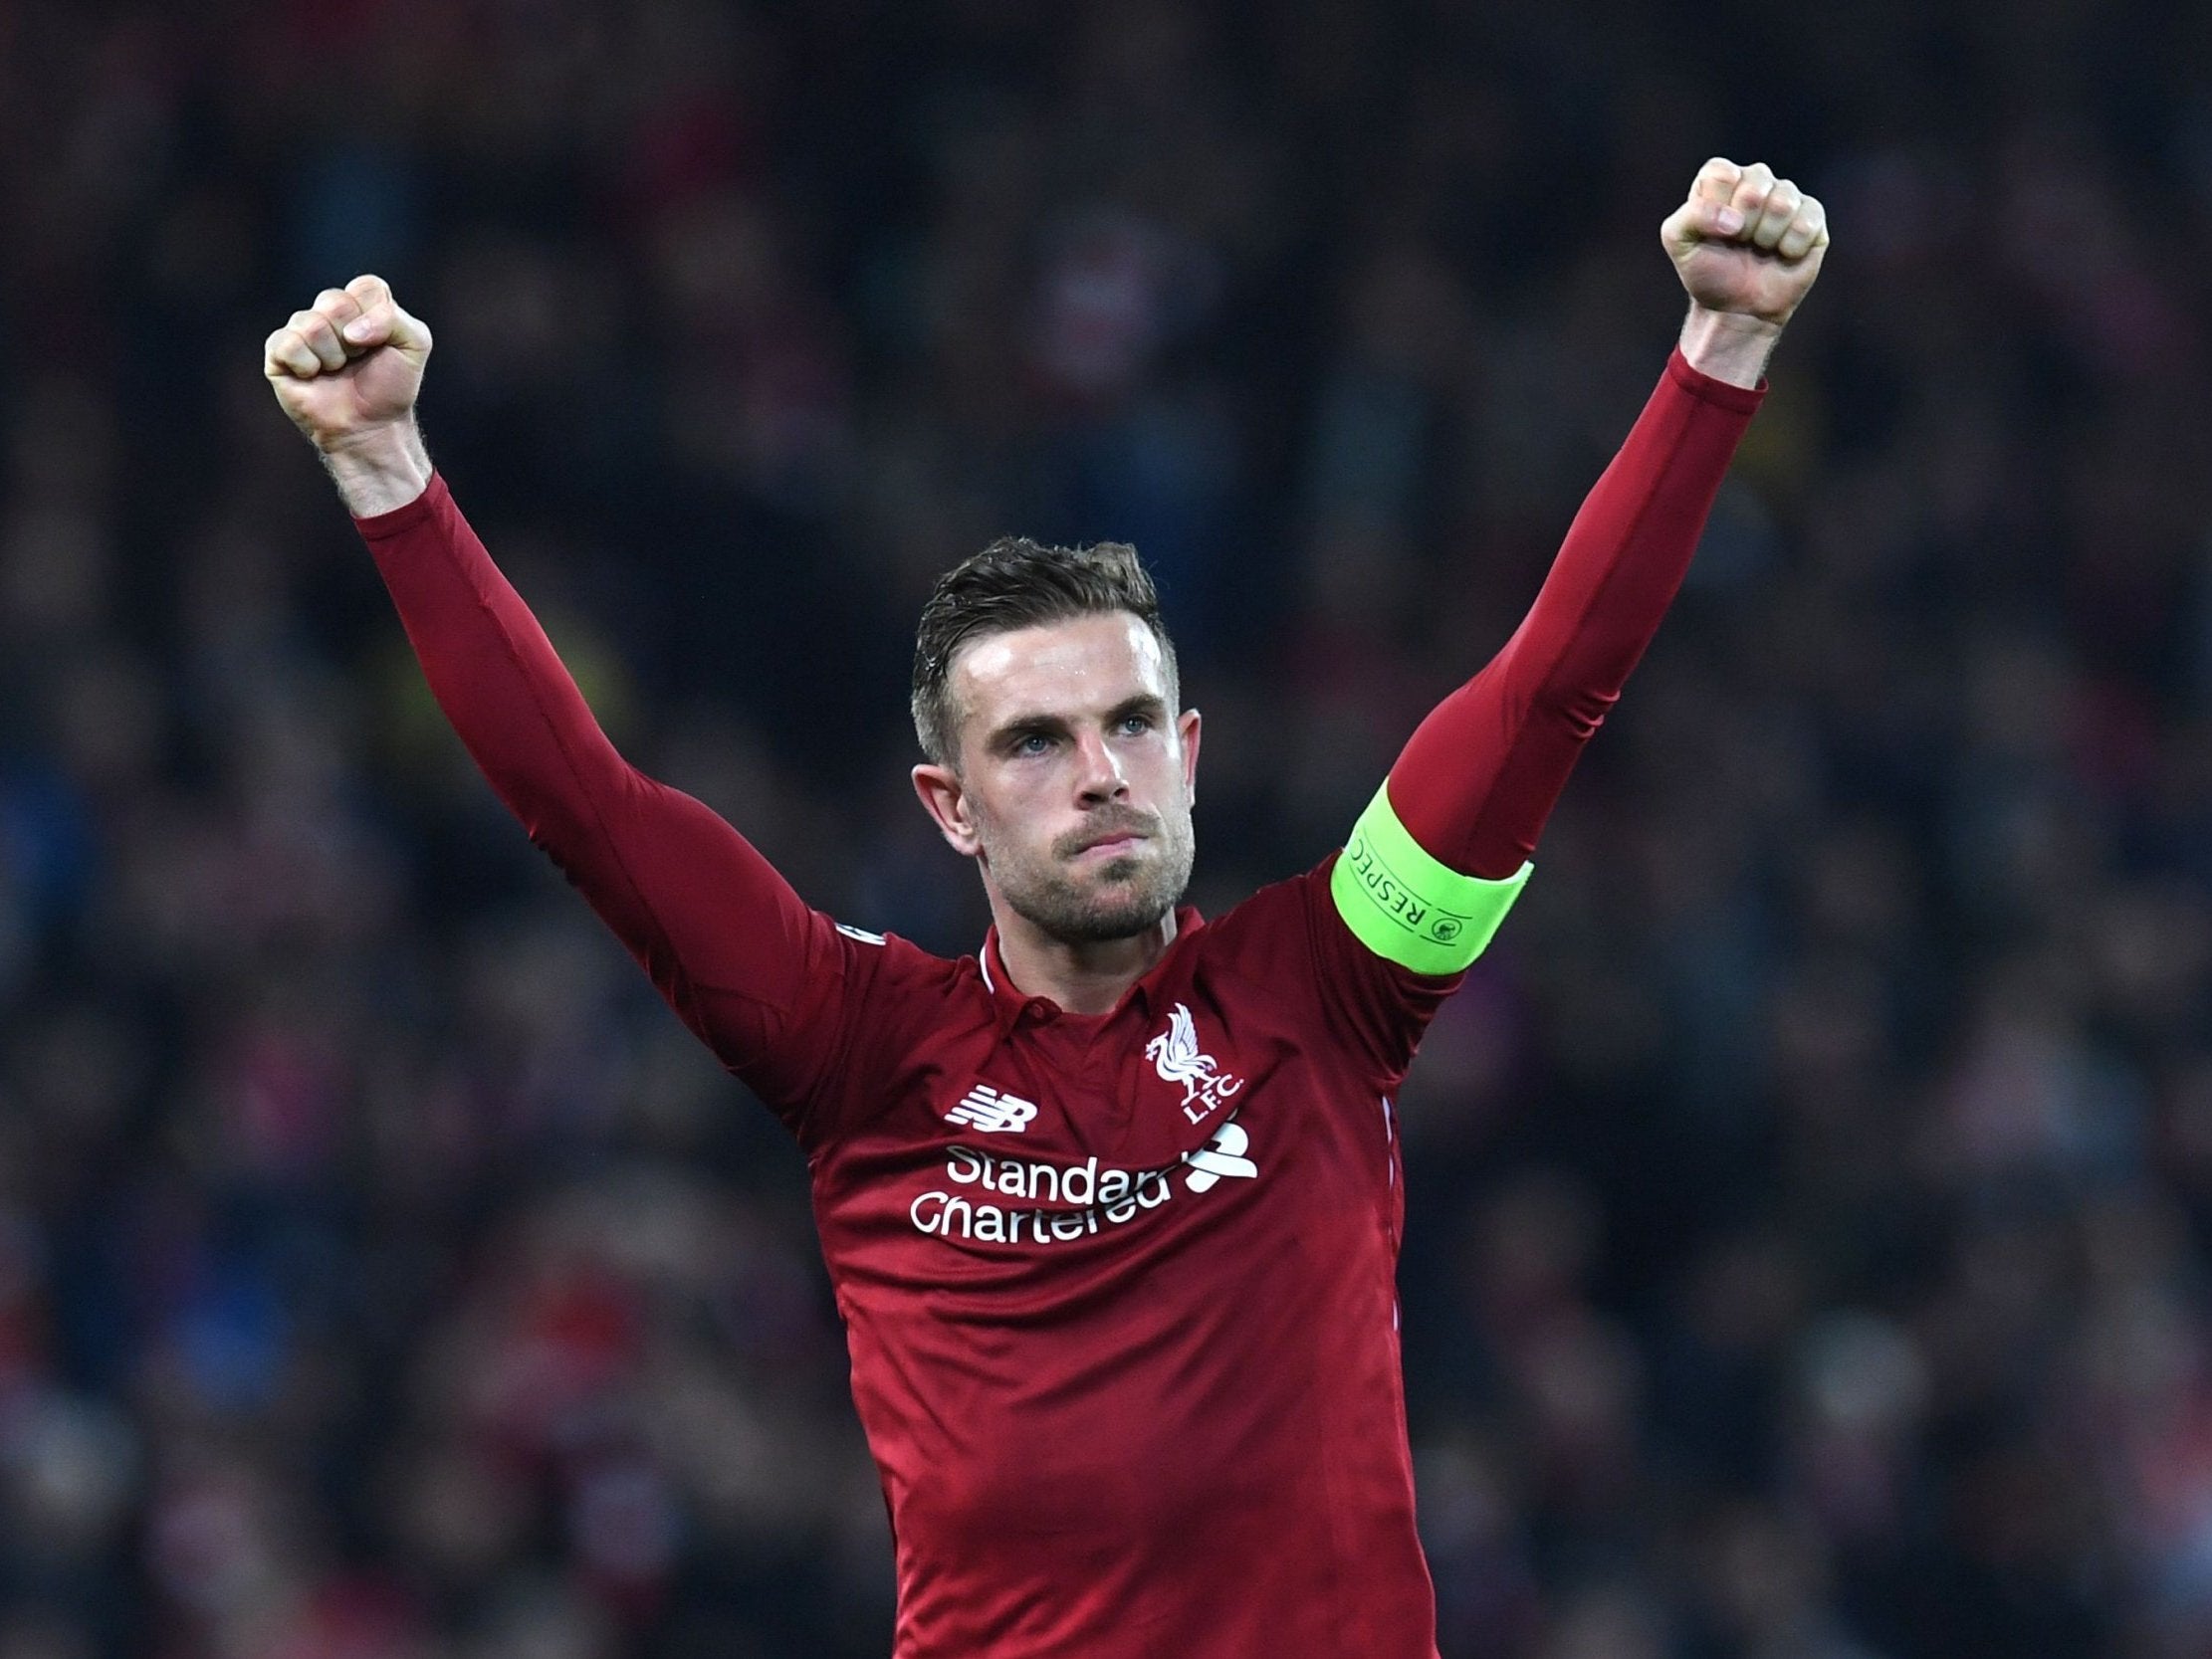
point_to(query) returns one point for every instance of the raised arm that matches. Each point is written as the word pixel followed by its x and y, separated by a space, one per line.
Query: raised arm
pixel 725 938
pixel 1442 851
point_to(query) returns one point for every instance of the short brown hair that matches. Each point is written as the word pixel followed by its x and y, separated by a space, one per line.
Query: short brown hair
pixel 1019 583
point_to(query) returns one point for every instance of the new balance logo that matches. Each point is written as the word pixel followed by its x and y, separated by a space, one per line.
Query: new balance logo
pixel 860 934
pixel 1222 1155
pixel 985 1108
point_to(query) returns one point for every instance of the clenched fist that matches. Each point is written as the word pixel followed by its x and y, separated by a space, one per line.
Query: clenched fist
pixel 1745 242
pixel 346 370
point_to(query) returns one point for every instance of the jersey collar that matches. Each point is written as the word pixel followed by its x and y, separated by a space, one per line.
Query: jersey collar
pixel 1009 1004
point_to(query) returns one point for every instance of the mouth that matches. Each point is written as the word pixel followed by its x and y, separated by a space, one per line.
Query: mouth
pixel 1117 833
pixel 1111 847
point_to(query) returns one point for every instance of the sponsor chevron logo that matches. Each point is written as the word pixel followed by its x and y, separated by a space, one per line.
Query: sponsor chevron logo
pixel 1222 1155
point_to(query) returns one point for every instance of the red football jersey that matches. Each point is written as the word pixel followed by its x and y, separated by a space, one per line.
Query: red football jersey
pixel 1118 1288
pixel 1120 1291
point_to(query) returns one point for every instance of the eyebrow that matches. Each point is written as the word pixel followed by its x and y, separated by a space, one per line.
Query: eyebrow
pixel 1052 725
pixel 1144 702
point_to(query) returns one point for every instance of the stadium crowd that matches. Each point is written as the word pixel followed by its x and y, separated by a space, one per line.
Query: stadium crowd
pixel 1808 1197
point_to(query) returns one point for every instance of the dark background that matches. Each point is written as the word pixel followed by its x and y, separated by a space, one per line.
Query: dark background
pixel 1808 1196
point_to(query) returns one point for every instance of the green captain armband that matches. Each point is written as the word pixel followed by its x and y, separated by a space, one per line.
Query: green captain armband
pixel 1407 908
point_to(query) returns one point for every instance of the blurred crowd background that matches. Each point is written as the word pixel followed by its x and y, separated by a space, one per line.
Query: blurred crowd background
pixel 1809 1197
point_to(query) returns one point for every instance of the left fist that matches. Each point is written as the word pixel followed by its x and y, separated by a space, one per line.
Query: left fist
pixel 1746 242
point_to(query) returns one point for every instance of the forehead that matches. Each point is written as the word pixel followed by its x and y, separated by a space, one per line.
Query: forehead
pixel 1084 665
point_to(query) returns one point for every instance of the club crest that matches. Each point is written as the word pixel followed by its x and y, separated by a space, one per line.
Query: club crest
pixel 1174 1056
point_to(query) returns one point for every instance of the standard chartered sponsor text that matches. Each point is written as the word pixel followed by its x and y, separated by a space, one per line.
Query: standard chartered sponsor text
pixel 1107 1197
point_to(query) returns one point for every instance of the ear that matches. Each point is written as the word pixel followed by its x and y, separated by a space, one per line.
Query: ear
pixel 1186 727
pixel 946 803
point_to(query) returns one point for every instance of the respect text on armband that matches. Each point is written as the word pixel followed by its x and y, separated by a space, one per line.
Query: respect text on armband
pixel 1395 899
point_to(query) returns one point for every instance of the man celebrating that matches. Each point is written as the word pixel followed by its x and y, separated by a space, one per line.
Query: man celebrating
pixel 1111 1206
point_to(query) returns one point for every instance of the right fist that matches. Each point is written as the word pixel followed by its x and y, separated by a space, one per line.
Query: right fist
pixel 349 365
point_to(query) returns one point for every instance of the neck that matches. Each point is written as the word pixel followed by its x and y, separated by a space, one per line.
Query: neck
pixel 1083 978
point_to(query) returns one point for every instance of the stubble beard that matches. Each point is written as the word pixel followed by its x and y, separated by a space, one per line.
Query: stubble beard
pixel 1121 899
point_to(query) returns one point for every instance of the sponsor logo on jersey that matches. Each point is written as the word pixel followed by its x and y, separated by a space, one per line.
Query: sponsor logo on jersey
pixel 986 1110
pixel 1222 1155
pixel 1174 1056
pixel 1104 1197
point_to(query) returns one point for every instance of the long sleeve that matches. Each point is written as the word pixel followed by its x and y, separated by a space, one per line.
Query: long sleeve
pixel 1477 779
pixel 743 960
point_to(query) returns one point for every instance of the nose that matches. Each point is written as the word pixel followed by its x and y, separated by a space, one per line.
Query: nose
pixel 1099 777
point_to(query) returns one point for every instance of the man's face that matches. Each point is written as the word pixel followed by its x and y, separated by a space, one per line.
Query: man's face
pixel 1074 781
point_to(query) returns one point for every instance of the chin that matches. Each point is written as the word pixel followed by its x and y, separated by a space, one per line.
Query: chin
pixel 1100 918
pixel 1130 894
pixel 1106 926
pixel 1118 899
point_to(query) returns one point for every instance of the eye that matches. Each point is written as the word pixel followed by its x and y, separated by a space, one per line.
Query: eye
pixel 1135 726
pixel 1032 743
